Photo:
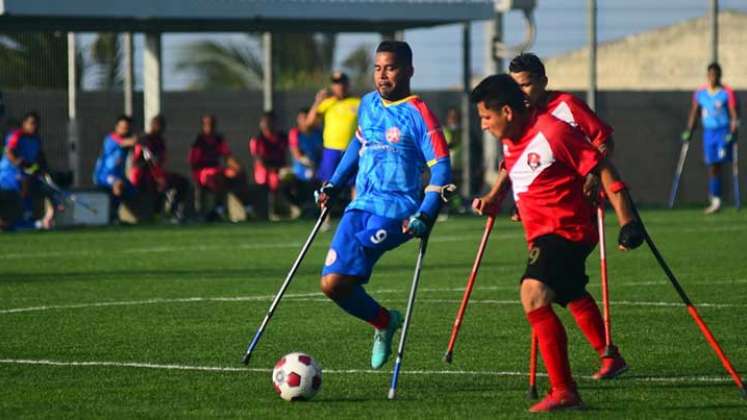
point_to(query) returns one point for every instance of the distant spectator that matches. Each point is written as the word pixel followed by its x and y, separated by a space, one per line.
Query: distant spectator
pixel 22 169
pixel 718 114
pixel 340 117
pixel 306 150
pixel 269 149
pixel 453 134
pixel 109 173
pixel 148 172
pixel 214 167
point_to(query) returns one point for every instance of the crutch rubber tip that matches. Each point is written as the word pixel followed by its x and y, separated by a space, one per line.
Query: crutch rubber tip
pixel 448 357
pixel 532 393
pixel 392 393
pixel 245 359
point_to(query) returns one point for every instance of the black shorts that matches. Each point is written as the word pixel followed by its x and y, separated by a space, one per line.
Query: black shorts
pixel 561 265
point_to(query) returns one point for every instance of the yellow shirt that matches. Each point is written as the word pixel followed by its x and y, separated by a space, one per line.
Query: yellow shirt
pixel 340 121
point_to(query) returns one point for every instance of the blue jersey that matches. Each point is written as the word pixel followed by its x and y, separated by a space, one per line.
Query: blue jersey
pixel 714 106
pixel 25 146
pixel 397 141
pixel 110 166
pixel 310 145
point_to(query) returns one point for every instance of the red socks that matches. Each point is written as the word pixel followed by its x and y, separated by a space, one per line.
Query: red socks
pixel 382 319
pixel 589 320
pixel 553 344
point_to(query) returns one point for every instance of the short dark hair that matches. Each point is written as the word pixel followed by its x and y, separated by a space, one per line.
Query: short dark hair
pixel 400 49
pixel 304 110
pixel 32 114
pixel 498 90
pixel 269 114
pixel 714 66
pixel 529 63
pixel 123 117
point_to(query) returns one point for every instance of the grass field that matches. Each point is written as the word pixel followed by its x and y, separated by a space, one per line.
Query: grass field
pixel 152 322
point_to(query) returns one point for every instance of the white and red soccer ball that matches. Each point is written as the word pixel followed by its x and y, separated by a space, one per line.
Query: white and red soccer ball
pixel 297 377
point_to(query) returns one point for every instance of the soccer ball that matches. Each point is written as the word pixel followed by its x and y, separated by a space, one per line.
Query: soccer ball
pixel 297 376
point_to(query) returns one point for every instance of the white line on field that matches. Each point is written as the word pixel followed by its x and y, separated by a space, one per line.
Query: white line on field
pixel 140 365
pixel 317 297
pixel 168 249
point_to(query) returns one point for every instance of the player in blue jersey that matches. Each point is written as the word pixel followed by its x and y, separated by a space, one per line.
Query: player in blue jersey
pixel 397 138
pixel 23 163
pixel 109 173
pixel 718 115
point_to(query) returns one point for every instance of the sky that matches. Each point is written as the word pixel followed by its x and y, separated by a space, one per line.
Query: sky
pixel 561 27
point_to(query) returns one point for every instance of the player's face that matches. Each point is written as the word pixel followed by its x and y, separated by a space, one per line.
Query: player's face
pixel 208 126
pixel 339 90
pixel 495 122
pixel 122 128
pixel 392 80
pixel 266 124
pixel 714 77
pixel 301 119
pixel 30 125
pixel 156 126
pixel 533 87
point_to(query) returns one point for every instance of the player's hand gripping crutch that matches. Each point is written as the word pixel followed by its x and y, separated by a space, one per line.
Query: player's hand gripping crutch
pixel 284 286
pixel 680 167
pixel 690 307
pixel 471 279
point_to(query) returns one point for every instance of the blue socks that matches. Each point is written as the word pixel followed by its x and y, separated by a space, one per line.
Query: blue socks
pixel 360 304
pixel 714 186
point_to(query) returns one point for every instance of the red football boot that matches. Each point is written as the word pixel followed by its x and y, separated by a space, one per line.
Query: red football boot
pixel 556 400
pixel 613 365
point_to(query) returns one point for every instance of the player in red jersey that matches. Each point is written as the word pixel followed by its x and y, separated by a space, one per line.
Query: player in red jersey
pixel 548 161
pixel 214 167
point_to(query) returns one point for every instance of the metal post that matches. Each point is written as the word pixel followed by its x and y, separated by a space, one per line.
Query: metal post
pixel 72 110
pixel 152 78
pixel 714 31
pixel 493 65
pixel 128 81
pixel 466 143
pixel 591 93
pixel 267 79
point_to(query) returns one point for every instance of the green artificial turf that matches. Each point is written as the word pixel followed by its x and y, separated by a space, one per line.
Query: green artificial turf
pixel 168 307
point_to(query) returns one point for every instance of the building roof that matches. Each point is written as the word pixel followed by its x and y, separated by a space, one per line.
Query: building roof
pixel 237 15
pixel 669 58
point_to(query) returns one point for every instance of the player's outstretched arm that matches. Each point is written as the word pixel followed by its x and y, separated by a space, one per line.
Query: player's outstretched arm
pixel 631 230
pixel 436 192
pixel 490 203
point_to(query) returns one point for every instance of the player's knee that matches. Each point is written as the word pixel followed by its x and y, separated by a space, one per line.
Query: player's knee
pixel 335 286
pixel 535 294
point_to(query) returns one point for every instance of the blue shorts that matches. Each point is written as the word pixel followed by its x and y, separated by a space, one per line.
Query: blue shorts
pixel 330 159
pixel 361 239
pixel 715 147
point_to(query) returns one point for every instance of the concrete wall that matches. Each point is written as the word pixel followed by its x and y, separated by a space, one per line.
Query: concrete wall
pixel 647 129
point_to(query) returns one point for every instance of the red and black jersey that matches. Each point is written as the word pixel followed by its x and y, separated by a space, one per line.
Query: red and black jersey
pixel 208 151
pixel 547 167
pixel 569 108
pixel 272 149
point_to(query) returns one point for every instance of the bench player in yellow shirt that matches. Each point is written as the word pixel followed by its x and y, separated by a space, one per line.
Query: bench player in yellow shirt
pixel 339 114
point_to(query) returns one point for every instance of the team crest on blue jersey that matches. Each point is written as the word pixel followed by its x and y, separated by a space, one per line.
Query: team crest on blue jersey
pixel 533 160
pixel 393 135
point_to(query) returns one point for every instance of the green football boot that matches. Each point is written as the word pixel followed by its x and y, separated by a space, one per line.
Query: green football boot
pixel 382 342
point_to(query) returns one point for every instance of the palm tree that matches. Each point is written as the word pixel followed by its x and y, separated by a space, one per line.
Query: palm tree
pixel 34 60
pixel 300 59
pixel 107 58
pixel 359 64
